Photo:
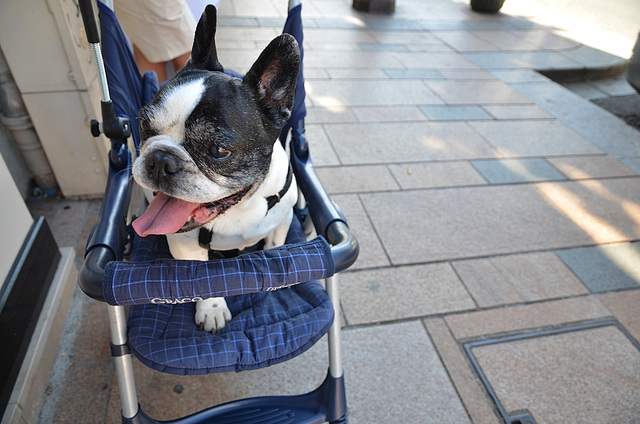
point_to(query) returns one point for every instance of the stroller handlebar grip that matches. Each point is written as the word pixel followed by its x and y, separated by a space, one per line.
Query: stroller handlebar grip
pixel 344 246
pixel 89 19
pixel 91 273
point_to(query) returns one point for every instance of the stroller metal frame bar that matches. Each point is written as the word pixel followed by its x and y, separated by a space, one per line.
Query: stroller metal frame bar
pixel 122 359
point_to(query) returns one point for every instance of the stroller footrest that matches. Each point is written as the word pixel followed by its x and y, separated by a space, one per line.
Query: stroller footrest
pixel 264 411
pixel 327 403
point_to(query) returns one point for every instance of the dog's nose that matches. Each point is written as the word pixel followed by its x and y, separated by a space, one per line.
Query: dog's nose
pixel 161 165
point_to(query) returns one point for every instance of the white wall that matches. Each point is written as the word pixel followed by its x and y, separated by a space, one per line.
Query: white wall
pixel 15 221
pixel 49 57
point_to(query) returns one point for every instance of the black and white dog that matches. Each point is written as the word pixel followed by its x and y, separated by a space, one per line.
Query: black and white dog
pixel 210 153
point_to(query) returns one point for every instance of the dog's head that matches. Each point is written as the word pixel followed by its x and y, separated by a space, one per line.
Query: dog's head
pixel 207 138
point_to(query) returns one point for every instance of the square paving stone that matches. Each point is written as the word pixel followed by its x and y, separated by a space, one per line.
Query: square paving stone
pixel 455 113
pixel 510 171
pixel 370 93
pixel 354 179
pixel 517 111
pixel 372 253
pixel 597 125
pixel 406 142
pixel 435 61
pixel 389 114
pixel 476 92
pixel 465 41
pixel 393 375
pixel 530 60
pixel 413 74
pixel 436 175
pixel 404 292
pixel 518 278
pixel 606 267
pixel 534 138
pixel 586 376
pixel 456 223
pixel 587 167
pixel 606 210
pixel 522 318
pixel 624 305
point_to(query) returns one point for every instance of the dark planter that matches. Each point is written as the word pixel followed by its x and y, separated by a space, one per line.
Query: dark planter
pixel 486 6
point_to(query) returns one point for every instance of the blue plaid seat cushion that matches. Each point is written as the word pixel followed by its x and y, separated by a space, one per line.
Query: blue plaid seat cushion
pixel 267 327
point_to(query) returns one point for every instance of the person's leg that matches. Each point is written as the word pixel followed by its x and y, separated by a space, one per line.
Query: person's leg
pixel 144 65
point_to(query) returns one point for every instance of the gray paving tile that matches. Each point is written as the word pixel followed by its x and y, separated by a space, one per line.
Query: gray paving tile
pixel 349 59
pixel 594 58
pixel 581 376
pixel 413 74
pixel 510 171
pixel 465 41
pixel 318 115
pixel 633 163
pixel 393 375
pixel 519 278
pixel 370 93
pixel 606 210
pixel 585 167
pixel 356 179
pixel 598 126
pixel 428 141
pixel 433 48
pixel 466 74
pixel 384 47
pixel 624 305
pixel 605 267
pixel 476 92
pixel 389 294
pixel 372 253
pixel 320 147
pixel 444 224
pixel 404 37
pixel 456 113
pixel 321 115
pixel 523 318
pixel 358 74
pixel 517 112
pixel 526 40
pixel 534 138
pixel 435 61
pixel 389 114
pixel 531 60
pixel 519 75
pixel 337 35
pixel 331 46
pixel 436 175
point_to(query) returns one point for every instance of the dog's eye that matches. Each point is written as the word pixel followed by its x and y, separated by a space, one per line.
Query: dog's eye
pixel 218 152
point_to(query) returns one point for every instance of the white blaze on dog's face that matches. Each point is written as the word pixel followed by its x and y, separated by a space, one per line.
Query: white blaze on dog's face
pixel 207 138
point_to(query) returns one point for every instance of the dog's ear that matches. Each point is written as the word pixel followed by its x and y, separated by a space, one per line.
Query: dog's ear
pixel 273 76
pixel 204 54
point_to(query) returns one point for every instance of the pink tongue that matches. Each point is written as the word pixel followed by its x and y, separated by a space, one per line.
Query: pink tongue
pixel 165 215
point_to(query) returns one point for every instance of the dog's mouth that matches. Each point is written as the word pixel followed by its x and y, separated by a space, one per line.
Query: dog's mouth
pixel 169 215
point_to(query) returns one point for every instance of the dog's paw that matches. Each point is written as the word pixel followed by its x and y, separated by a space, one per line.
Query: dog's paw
pixel 212 314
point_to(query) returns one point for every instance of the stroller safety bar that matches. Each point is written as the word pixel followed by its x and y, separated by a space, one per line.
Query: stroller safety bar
pixel 108 240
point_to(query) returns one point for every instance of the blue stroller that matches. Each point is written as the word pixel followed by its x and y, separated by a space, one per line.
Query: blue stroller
pixel 280 308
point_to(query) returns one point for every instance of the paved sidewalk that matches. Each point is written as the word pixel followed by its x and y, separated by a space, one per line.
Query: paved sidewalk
pixel 498 214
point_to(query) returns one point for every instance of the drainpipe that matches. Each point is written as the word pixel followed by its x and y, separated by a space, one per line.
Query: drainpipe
pixel 14 116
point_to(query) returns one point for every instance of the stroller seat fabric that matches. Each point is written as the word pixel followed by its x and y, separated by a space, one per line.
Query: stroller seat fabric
pixel 267 327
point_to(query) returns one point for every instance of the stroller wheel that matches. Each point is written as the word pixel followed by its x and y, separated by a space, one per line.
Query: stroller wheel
pixel 487 6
